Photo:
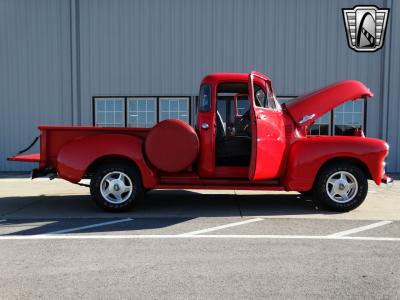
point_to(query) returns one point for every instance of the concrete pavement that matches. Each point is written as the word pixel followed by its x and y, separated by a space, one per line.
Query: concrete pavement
pixel 41 198
pixel 55 243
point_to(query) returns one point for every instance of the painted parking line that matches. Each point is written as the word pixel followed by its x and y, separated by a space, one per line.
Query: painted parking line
pixel 199 236
pixel 360 229
pixel 221 227
pixel 88 226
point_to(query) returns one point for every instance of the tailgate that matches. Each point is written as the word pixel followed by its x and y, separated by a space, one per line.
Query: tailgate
pixel 35 157
pixel 21 156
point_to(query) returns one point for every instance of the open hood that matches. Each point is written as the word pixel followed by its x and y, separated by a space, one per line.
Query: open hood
pixel 307 108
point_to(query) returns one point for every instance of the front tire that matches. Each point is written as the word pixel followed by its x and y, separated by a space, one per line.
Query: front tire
pixel 341 187
pixel 116 187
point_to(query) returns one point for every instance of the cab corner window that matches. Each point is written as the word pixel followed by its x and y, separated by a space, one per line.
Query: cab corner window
pixel 205 98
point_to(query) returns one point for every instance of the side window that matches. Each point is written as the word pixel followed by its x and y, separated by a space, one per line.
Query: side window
pixel 205 98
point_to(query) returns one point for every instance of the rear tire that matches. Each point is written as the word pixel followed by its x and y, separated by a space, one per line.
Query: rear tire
pixel 341 187
pixel 116 187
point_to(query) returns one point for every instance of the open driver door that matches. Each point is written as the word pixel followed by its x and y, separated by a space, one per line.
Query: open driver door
pixel 267 130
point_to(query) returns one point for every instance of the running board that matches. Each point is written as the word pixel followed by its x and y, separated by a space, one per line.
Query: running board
pixel 194 182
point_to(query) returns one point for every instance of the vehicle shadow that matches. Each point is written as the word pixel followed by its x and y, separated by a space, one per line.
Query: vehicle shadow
pixel 159 209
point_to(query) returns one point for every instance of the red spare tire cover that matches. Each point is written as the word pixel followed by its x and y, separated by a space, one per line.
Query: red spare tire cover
pixel 172 145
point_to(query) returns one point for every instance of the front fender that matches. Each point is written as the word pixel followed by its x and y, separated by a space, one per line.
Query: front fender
pixel 306 157
pixel 75 157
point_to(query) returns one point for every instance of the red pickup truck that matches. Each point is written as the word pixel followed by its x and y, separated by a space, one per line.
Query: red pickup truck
pixel 263 146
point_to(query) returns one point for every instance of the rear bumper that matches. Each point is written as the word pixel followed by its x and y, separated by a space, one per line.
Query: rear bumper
pixel 387 180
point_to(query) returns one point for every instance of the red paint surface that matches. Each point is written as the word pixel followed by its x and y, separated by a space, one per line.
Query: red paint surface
pixel 172 146
pixel 307 155
pixel 269 144
pixel 75 157
pixel 35 157
pixel 283 157
pixel 323 100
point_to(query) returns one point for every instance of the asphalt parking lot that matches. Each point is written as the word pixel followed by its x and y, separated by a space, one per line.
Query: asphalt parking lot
pixel 55 243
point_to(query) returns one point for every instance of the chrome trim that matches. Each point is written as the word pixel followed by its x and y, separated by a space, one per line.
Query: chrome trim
pixel 388 181
pixel 205 126
pixel 307 118
pixel 341 187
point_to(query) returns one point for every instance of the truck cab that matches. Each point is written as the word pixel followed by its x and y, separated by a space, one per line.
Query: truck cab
pixel 241 127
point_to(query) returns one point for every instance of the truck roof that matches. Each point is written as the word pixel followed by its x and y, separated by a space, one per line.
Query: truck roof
pixel 217 77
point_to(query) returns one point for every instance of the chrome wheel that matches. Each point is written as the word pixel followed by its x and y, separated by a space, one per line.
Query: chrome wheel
pixel 116 187
pixel 342 187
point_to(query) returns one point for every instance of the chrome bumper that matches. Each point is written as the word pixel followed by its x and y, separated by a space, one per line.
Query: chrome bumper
pixel 387 180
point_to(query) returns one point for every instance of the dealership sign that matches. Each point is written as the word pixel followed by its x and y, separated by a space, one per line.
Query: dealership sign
pixel 365 27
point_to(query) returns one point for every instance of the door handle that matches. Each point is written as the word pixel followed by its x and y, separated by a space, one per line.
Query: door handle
pixel 205 126
pixel 261 117
pixel 306 118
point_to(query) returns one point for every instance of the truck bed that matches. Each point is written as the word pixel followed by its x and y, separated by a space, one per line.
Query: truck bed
pixel 52 138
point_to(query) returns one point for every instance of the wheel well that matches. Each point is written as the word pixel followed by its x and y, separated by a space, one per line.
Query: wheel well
pixel 350 160
pixel 108 159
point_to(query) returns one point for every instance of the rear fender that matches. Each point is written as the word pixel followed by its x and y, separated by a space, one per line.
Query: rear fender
pixel 75 157
pixel 308 155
